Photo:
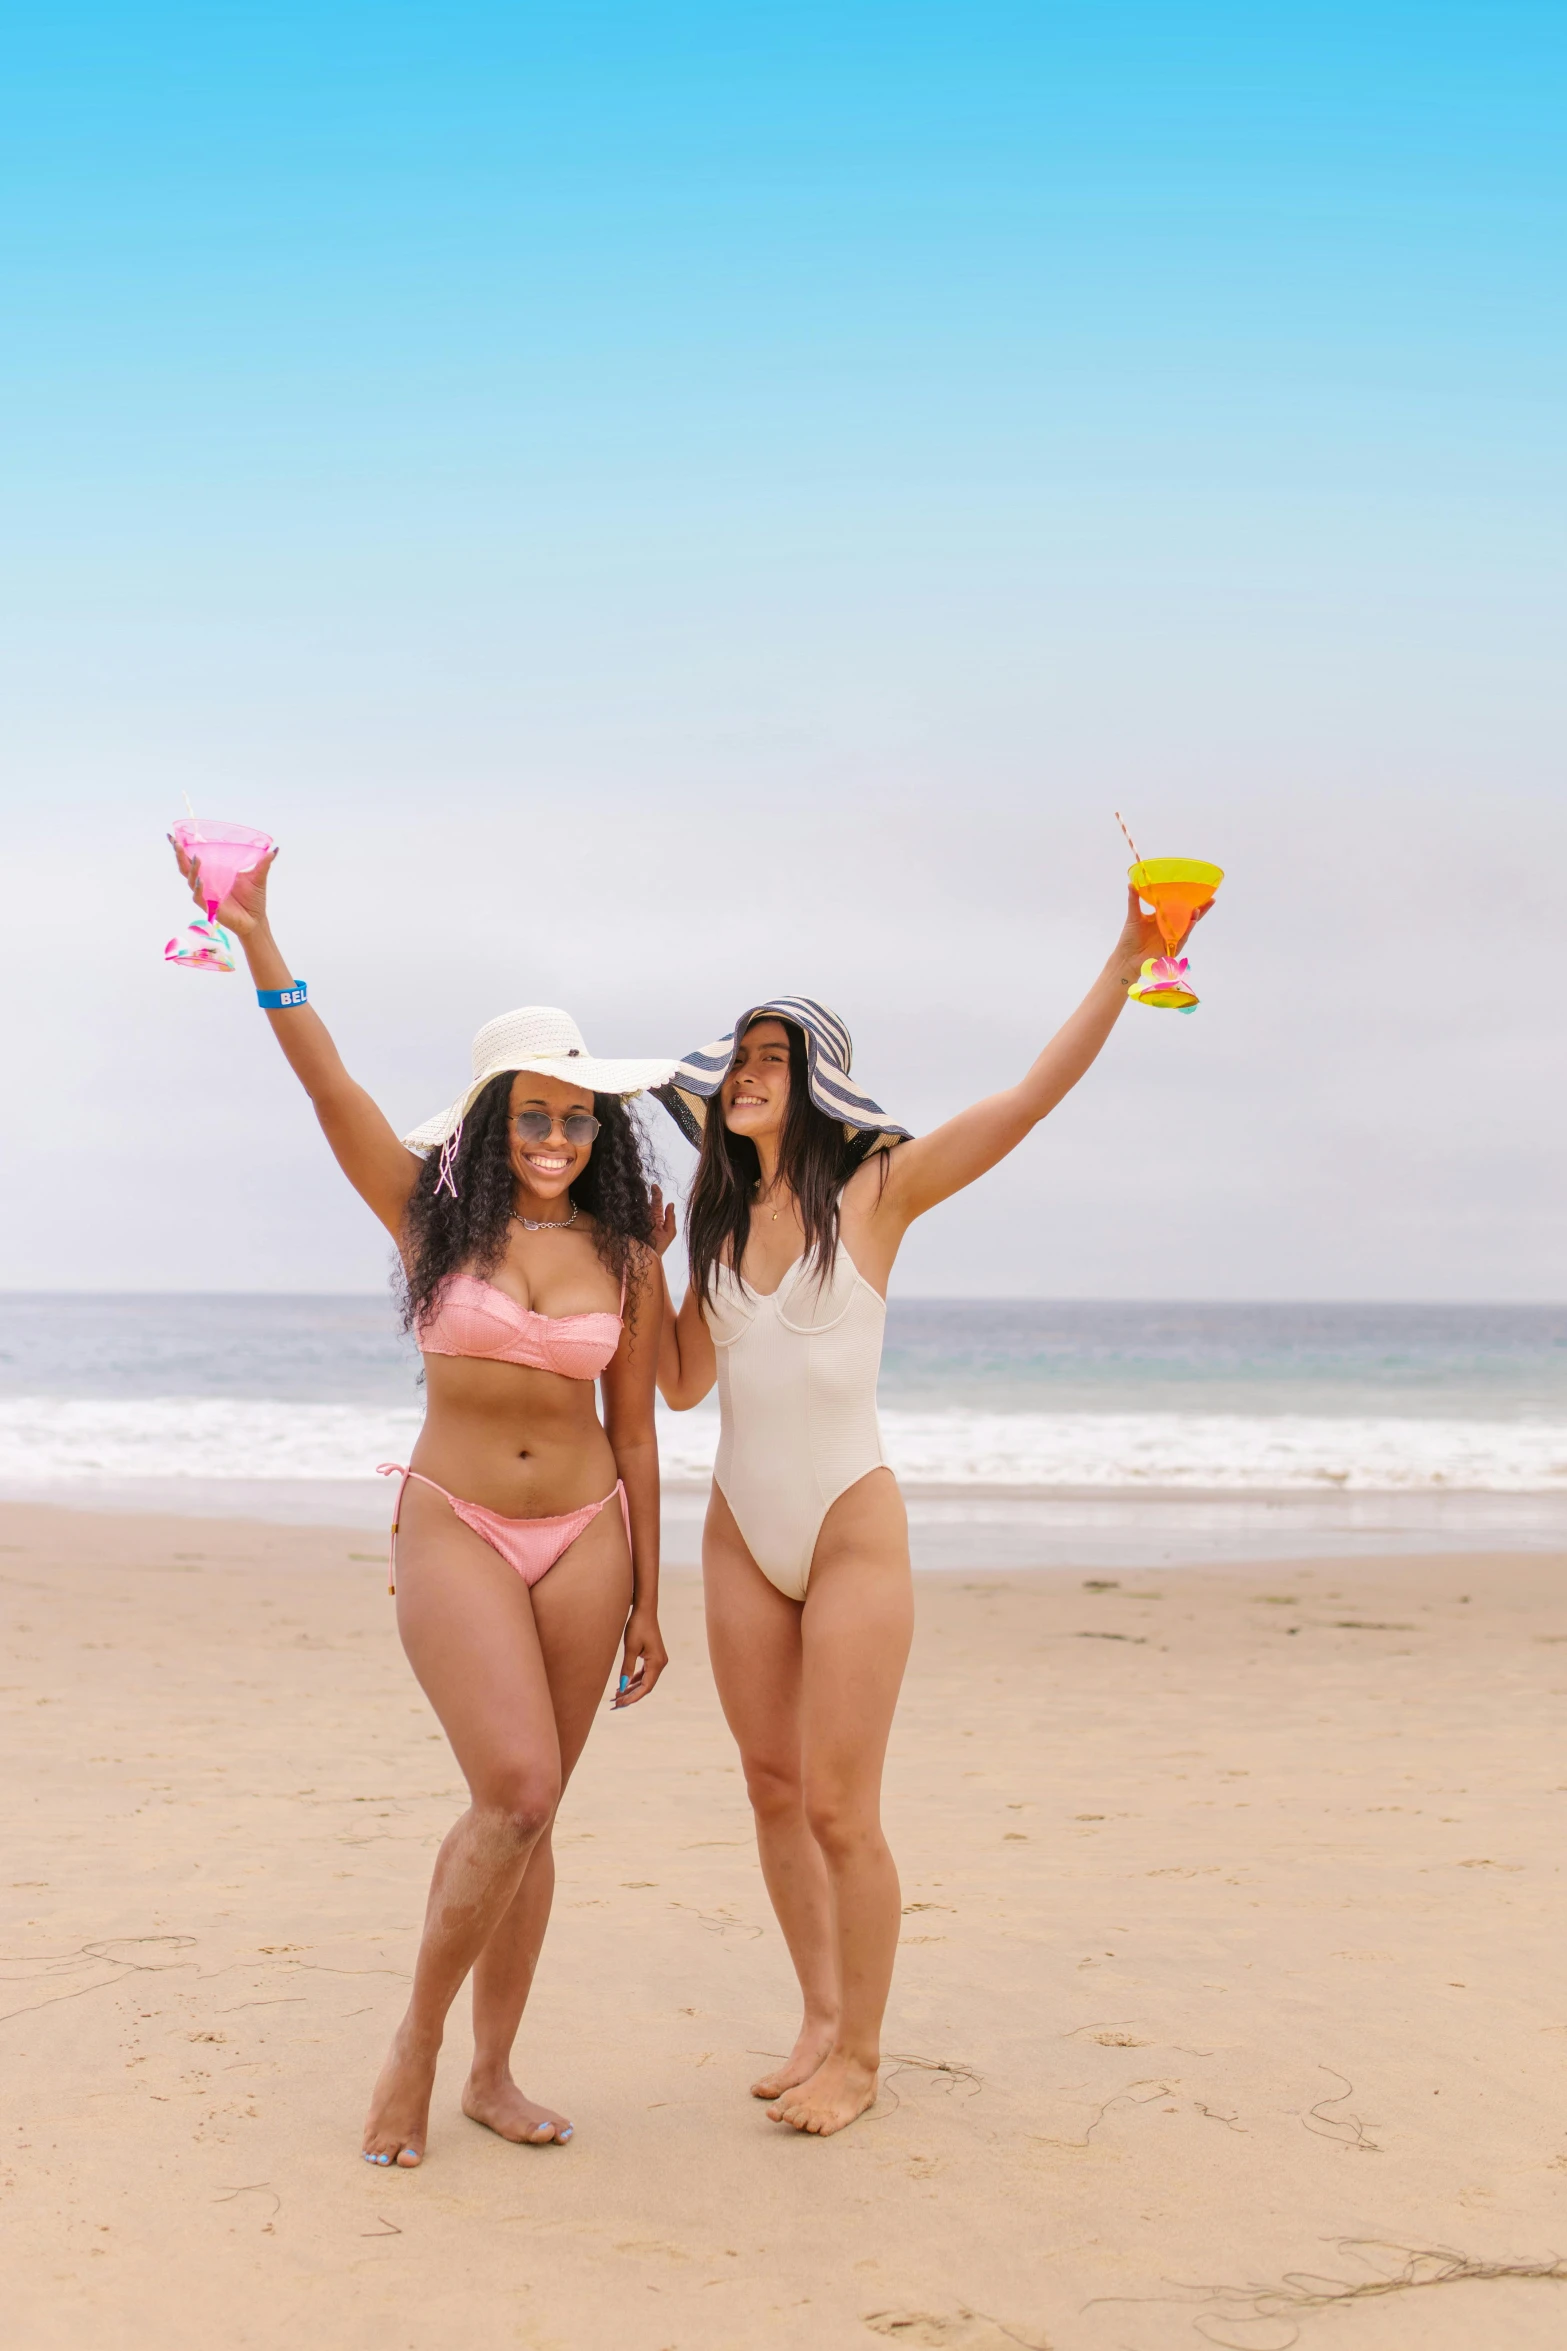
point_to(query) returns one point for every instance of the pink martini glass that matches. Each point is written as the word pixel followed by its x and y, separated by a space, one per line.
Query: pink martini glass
pixel 223 852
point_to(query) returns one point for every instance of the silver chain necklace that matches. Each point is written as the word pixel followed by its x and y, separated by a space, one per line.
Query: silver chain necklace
pixel 548 1224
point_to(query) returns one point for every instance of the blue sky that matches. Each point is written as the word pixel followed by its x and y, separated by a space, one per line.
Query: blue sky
pixel 812 238
pixel 664 495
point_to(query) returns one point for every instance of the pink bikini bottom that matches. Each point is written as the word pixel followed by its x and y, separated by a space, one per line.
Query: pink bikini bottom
pixel 530 1545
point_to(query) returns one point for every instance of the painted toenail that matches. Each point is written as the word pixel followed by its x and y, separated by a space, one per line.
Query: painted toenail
pixel 565 2134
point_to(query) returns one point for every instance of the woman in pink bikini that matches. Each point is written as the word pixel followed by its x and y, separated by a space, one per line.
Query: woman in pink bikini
pixel 525 1542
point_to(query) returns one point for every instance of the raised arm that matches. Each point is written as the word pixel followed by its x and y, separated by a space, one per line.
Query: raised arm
pixel 687 1365
pixel 381 1169
pixel 934 1166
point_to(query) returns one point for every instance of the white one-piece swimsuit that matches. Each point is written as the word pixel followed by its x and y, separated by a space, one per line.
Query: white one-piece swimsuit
pixel 797 1405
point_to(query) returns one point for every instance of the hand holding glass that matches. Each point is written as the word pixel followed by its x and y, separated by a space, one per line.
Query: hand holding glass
pixel 1178 889
pixel 220 853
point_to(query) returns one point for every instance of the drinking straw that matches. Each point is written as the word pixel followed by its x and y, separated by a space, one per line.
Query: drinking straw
pixel 1131 844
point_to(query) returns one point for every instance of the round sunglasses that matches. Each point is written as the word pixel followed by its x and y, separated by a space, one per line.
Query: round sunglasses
pixel 536 1126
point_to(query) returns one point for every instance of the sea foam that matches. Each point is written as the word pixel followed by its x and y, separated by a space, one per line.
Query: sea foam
pixel 48 1440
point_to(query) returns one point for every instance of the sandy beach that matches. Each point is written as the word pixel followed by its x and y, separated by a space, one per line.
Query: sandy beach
pixel 1232 1989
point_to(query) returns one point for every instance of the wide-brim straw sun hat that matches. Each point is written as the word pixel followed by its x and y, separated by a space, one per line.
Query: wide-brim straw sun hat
pixel 829 1051
pixel 541 1038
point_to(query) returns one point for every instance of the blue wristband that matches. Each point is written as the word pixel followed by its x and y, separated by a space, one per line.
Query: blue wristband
pixel 279 999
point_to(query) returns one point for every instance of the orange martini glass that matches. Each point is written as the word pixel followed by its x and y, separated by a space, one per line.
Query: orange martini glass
pixel 1178 889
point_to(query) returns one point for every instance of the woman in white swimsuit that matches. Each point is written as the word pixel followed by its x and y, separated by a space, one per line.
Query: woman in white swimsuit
pixel 803 1193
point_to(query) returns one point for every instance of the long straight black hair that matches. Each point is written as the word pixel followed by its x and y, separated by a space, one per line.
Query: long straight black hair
pixel 815 1159
pixel 443 1236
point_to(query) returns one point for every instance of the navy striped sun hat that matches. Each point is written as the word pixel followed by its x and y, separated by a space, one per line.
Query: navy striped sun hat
pixel 828 1053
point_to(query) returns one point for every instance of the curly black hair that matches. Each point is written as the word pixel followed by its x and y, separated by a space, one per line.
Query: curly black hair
pixel 443 1236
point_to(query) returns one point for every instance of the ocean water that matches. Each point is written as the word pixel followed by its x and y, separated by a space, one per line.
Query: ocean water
pixel 1162 1430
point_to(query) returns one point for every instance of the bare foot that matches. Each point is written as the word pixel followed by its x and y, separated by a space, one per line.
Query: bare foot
pixel 502 2108
pixel 399 2117
pixel 838 2092
pixel 812 2046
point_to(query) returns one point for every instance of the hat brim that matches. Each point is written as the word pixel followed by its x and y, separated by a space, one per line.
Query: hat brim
pixel 624 1078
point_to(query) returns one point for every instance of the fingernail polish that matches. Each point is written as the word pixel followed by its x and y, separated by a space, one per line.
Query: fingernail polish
pixel 625 1681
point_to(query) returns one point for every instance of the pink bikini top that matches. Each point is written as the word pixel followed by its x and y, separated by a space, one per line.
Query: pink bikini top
pixel 475 1318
